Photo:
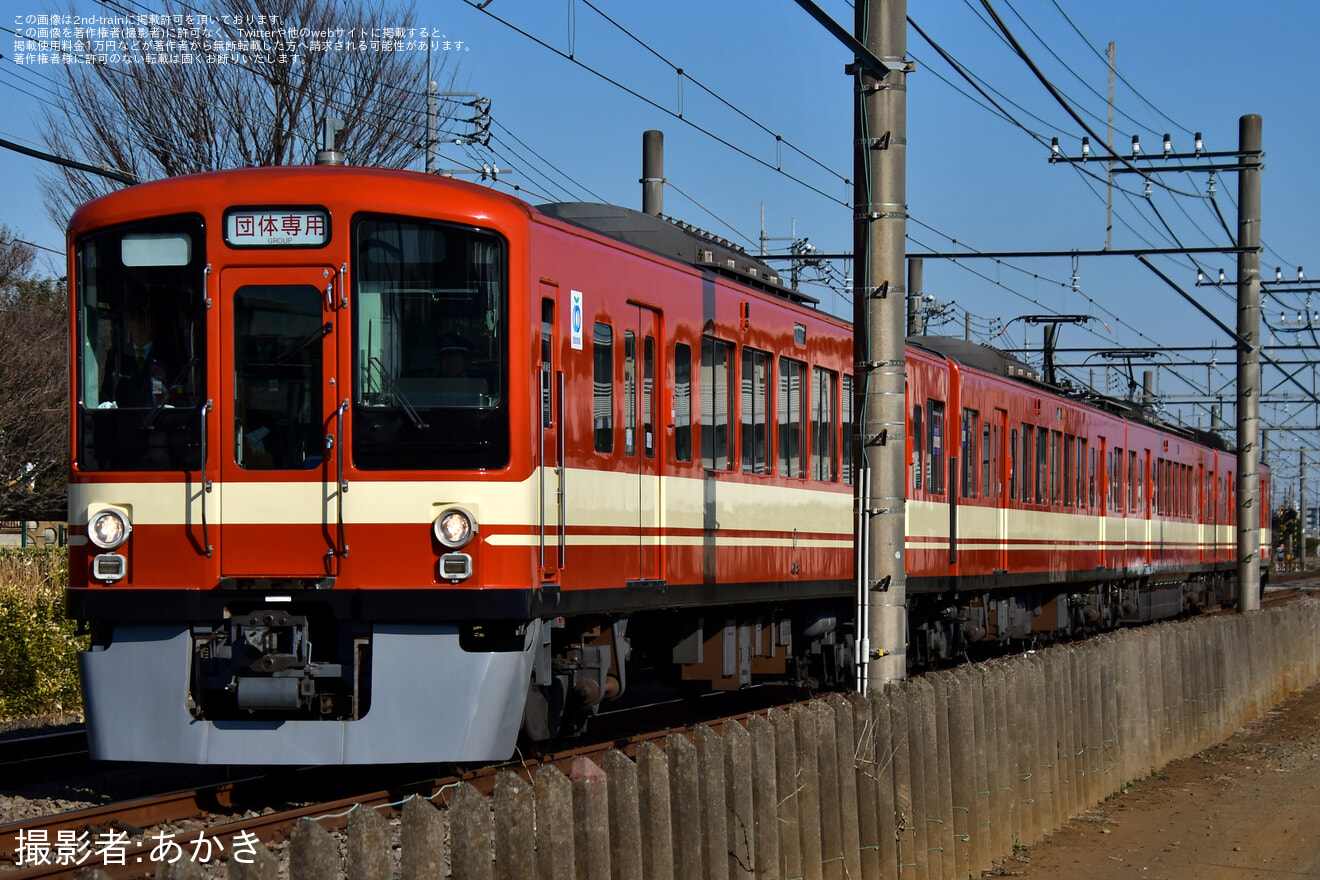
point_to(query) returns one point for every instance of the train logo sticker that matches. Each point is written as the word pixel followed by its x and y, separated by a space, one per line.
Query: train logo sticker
pixel 575 319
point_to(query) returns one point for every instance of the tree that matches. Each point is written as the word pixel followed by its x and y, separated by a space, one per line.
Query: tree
pixel 34 388
pixel 263 105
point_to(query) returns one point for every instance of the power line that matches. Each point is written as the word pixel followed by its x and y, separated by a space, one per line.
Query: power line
pixel 654 105
pixel 683 75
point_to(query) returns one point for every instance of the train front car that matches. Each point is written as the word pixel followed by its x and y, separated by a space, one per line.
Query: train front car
pixel 301 456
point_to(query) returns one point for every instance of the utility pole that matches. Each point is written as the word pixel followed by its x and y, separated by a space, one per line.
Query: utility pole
pixel 1248 364
pixel 880 206
pixel 653 172
pixel 431 110
pixel 916 267
pixel 1301 513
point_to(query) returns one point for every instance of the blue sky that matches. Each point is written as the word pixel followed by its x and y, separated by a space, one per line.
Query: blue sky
pixel 563 132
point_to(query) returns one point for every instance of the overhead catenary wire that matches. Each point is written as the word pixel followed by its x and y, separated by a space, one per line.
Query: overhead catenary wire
pixel 658 106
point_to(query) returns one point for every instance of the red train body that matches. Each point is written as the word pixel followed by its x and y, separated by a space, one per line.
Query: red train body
pixel 373 466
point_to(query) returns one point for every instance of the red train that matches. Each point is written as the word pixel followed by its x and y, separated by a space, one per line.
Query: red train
pixel 371 466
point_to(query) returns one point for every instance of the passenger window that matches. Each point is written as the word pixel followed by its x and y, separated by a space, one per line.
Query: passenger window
pixel 1028 468
pixel 716 395
pixel 792 411
pixel 971 432
pixel 755 412
pixel 648 396
pixel 1069 474
pixel 918 439
pixel 1091 479
pixel 1012 464
pixel 1132 482
pixel 1042 466
pixel 848 429
pixel 602 404
pixel 824 425
pixel 277 377
pixel 988 484
pixel 935 447
pixel 547 365
pixel 629 393
pixel 682 402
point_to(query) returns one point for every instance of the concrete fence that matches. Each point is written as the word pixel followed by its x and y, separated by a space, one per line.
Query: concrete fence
pixel 935 778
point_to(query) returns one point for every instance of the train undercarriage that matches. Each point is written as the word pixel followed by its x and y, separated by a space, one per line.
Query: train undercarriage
pixel 302 663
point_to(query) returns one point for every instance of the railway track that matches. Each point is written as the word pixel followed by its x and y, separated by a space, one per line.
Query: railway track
pixel 142 826
pixel 139 826
pixel 23 758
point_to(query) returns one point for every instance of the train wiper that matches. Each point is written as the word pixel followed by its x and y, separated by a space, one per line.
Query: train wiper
pixel 316 335
pixel 388 382
pixel 149 420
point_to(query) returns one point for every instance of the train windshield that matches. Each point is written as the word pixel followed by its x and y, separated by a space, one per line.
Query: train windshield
pixel 142 346
pixel 430 353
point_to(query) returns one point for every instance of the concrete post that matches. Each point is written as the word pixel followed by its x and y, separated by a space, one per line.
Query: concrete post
pixel 789 803
pixel 739 812
pixel 515 832
pixel 866 776
pixel 827 765
pixel 368 845
pixel 422 833
pixel 684 797
pixel 1248 365
pixel 624 816
pixel 983 758
pixel 653 172
pixel 765 797
pixel 845 748
pixel 657 841
pixel 905 827
pixel 920 761
pixel 961 730
pixel 916 323
pixel 470 839
pixel 316 854
pixel 808 789
pixel 1020 741
pixel 886 812
pixel 879 243
pixel 591 817
pixel 940 720
pixel 1007 823
pixel 714 819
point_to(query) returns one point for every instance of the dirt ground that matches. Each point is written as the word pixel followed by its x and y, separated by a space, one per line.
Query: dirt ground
pixel 1247 808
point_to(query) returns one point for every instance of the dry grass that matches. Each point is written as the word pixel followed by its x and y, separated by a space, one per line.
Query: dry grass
pixel 34 571
pixel 38 644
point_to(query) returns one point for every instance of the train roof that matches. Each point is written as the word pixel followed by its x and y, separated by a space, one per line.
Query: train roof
pixel 676 240
pixel 991 360
pixel 978 355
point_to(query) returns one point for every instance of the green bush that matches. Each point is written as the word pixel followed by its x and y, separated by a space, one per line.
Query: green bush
pixel 38 644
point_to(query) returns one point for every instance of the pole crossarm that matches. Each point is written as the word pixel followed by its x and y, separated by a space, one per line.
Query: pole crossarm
pixel 1242 344
pixel 864 55
pixel 1113 252
pixel 1022 255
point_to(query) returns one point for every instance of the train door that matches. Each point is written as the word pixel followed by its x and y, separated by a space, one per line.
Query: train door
pixel 1147 479
pixel 1198 510
pixel 280 457
pixel 551 380
pixel 999 457
pixel 1102 500
pixel 641 352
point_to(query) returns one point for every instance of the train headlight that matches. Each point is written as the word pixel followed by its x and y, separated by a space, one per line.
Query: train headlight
pixel 109 528
pixel 454 527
